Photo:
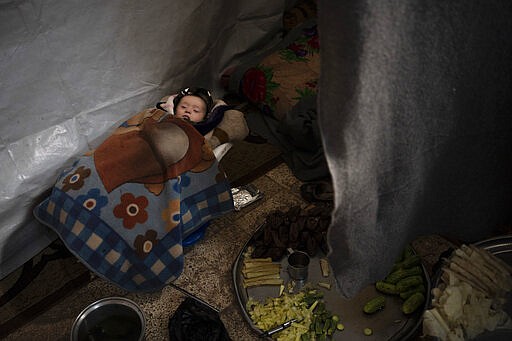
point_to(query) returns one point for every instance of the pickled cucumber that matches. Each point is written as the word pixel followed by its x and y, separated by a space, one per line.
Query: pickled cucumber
pixel 386 288
pixel 401 273
pixel 408 282
pixel 375 304
pixel 413 303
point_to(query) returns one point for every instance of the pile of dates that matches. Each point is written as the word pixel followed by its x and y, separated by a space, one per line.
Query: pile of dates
pixel 303 229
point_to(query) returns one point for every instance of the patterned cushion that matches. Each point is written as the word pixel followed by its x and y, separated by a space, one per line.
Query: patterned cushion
pixel 283 77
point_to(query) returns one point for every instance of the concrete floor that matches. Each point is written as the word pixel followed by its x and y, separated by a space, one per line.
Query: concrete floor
pixel 207 273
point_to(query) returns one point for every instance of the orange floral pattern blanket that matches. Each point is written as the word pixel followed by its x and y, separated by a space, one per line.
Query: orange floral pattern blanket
pixel 124 208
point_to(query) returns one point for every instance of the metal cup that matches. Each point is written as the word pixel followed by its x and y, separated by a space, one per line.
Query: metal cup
pixel 298 263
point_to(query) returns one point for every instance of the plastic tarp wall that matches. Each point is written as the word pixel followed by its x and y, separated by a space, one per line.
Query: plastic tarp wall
pixel 71 70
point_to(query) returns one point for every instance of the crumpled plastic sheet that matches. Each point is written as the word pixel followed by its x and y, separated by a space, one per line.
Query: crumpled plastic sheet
pixel 70 71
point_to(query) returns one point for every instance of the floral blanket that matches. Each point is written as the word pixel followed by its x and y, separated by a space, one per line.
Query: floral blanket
pixel 124 208
pixel 278 80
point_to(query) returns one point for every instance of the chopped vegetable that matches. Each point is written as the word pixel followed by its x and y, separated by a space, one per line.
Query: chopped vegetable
pixel 260 271
pixel 368 331
pixel 306 306
pixel 324 285
pixel 262 281
pixel 324 266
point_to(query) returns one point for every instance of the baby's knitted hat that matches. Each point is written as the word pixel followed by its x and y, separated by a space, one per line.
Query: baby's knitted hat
pixel 198 92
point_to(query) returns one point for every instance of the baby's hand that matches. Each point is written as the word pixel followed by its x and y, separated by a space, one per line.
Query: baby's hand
pixel 169 104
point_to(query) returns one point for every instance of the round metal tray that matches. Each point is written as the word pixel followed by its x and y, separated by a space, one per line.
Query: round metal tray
pixel 501 247
pixel 389 324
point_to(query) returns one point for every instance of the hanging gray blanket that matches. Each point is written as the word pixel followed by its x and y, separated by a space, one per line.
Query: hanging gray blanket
pixel 415 112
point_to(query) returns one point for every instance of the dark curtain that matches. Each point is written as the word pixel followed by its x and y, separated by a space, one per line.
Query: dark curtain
pixel 416 118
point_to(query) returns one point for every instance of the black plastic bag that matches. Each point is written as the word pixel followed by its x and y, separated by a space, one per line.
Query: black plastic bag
pixel 196 321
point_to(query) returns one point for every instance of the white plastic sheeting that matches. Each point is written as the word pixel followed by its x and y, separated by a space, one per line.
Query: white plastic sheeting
pixel 71 70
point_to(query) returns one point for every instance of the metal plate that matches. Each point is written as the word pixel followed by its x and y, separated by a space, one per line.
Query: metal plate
pixel 499 246
pixel 389 324
pixel 502 248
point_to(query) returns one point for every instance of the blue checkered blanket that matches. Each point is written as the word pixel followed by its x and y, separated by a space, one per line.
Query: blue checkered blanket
pixel 131 232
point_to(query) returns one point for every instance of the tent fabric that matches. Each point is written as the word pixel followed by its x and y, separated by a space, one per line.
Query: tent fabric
pixel 71 71
pixel 413 107
pixel 415 116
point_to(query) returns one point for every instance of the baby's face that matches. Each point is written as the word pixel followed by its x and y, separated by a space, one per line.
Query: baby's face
pixel 191 108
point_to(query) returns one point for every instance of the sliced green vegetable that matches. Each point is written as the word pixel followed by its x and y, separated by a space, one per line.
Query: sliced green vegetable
pixel 368 331
pixel 327 325
pixel 318 327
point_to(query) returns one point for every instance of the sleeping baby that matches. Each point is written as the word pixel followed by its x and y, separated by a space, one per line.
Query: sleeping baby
pixel 216 121
pixel 178 135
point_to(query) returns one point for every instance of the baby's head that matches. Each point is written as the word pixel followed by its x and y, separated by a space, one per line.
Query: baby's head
pixel 193 104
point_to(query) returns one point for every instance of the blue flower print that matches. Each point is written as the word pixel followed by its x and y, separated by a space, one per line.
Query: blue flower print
pixel 93 200
pixel 183 181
